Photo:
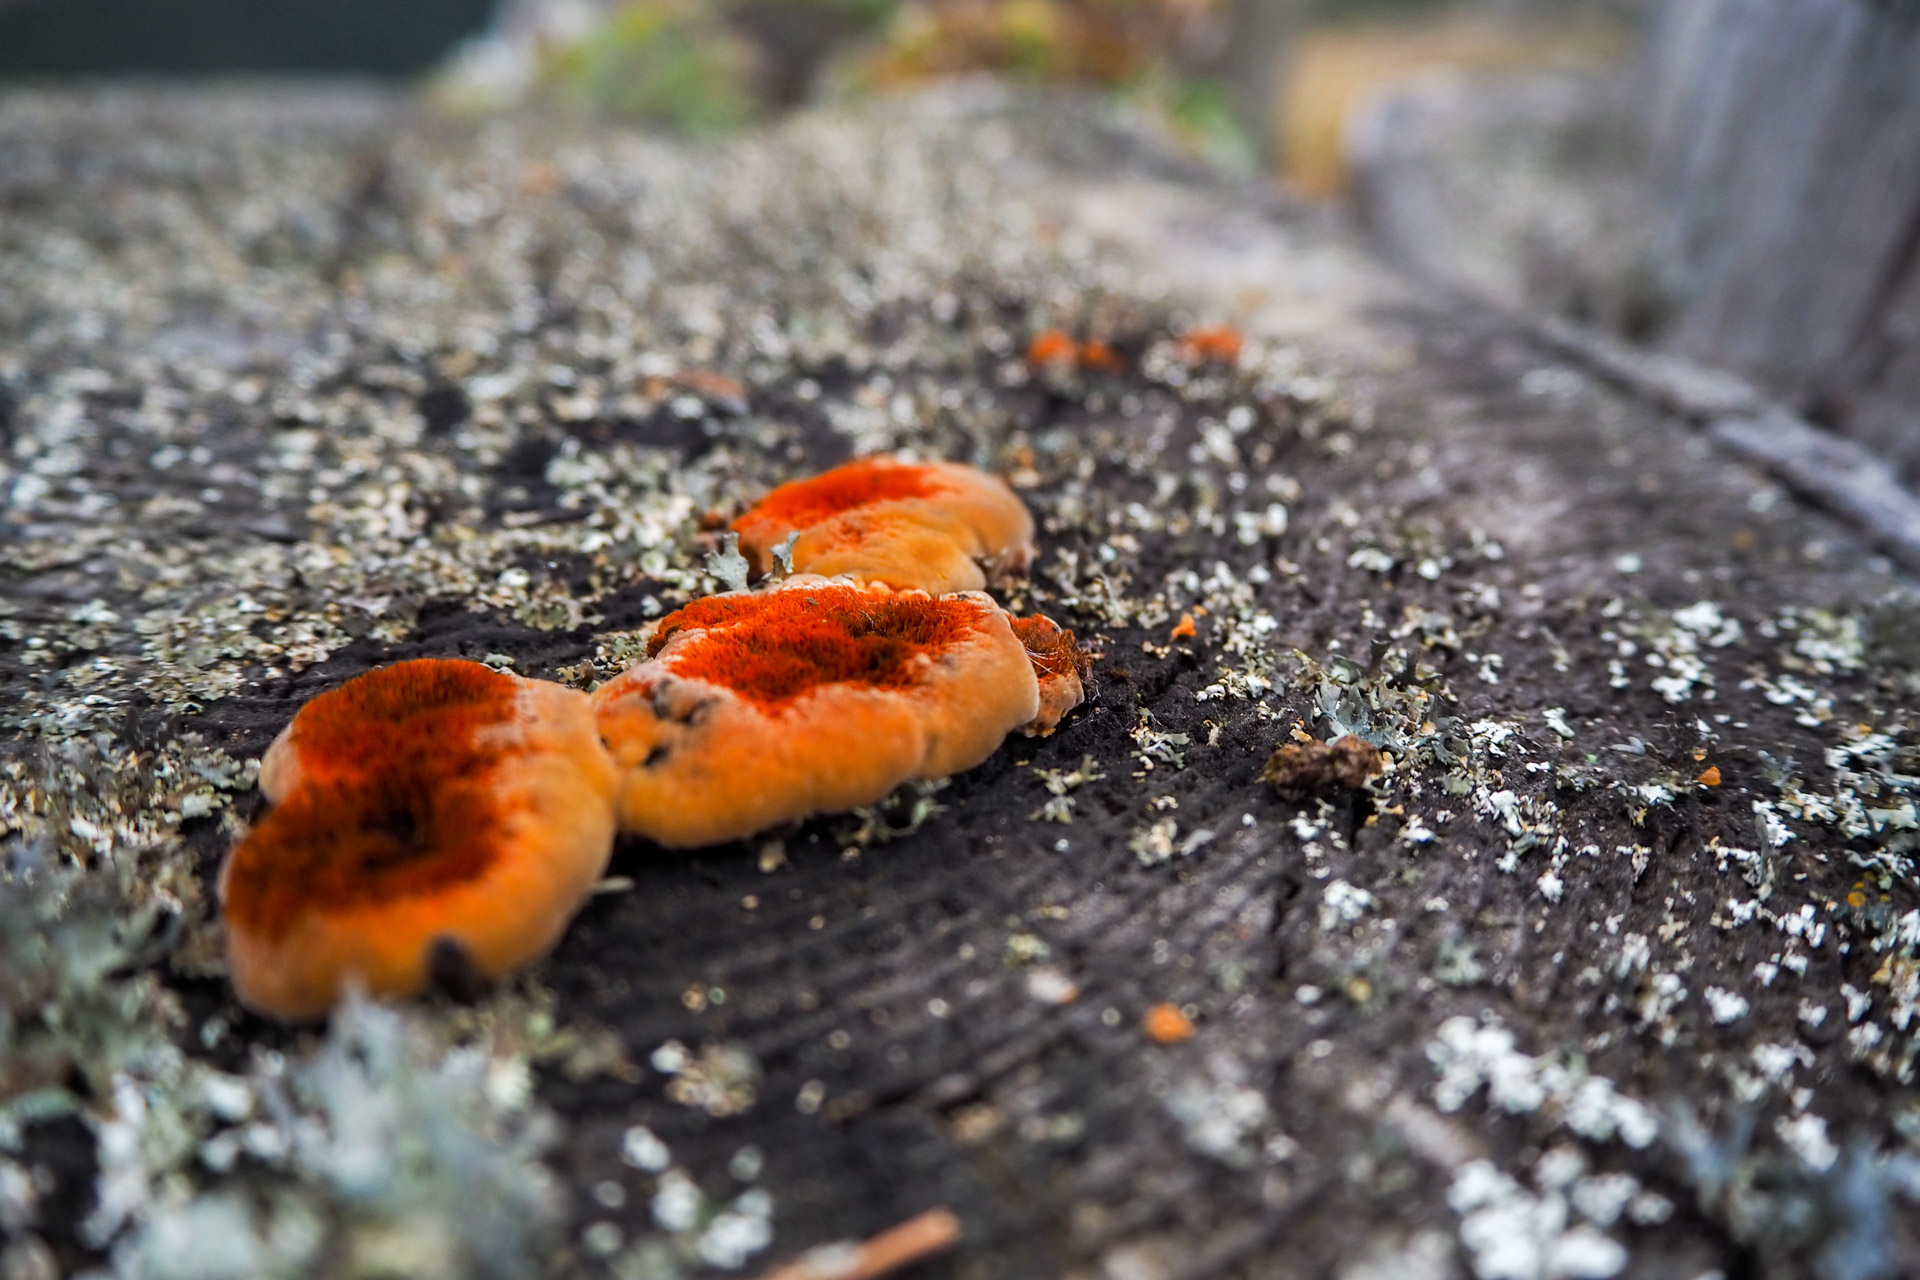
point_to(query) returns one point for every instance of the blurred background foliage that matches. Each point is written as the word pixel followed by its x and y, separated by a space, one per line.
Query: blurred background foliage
pixel 1528 190
pixel 704 66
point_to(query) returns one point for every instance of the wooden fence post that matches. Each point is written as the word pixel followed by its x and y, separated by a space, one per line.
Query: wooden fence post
pixel 1786 153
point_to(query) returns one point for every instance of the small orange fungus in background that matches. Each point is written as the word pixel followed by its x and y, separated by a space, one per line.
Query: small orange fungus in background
pixel 758 708
pixel 1218 345
pixel 1165 1024
pixel 1051 346
pixel 1059 664
pixel 929 526
pixel 1055 349
pixel 1098 354
pixel 428 805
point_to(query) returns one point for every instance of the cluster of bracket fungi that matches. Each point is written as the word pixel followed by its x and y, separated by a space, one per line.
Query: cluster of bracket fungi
pixel 488 808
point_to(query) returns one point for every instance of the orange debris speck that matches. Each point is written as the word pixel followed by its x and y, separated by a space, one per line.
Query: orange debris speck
pixel 1165 1024
pixel 1710 777
pixel 1183 629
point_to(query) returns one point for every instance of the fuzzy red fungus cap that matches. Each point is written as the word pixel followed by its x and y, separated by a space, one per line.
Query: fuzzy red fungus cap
pixel 758 708
pixel 424 805
pixel 928 526
pixel 1060 666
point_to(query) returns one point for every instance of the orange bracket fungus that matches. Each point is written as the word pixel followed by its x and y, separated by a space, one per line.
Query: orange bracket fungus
pixel 1060 666
pixel 758 708
pixel 932 526
pixel 431 808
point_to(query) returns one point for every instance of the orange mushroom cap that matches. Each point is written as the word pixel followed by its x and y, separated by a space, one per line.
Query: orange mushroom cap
pixel 1060 666
pixel 429 800
pixel 930 526
pixel 757 708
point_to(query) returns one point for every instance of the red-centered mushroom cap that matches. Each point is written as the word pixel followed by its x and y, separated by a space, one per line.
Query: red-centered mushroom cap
pixel 928 526
pixel 758 708
pixel 427 801
pixel 407 707
pixel 1060 666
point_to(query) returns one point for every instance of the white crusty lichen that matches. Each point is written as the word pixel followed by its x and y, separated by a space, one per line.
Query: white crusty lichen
pixel 1472 1055
pixel 380 1147
pixel 1511 1233
pixel 379 1154
pixel 696 1230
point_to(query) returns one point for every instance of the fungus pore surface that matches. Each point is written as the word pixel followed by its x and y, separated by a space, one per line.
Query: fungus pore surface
pixel 418 710
pixel 773 649
pixel 416 827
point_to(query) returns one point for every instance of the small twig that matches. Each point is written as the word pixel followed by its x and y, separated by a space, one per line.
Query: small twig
pixel 934 1231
